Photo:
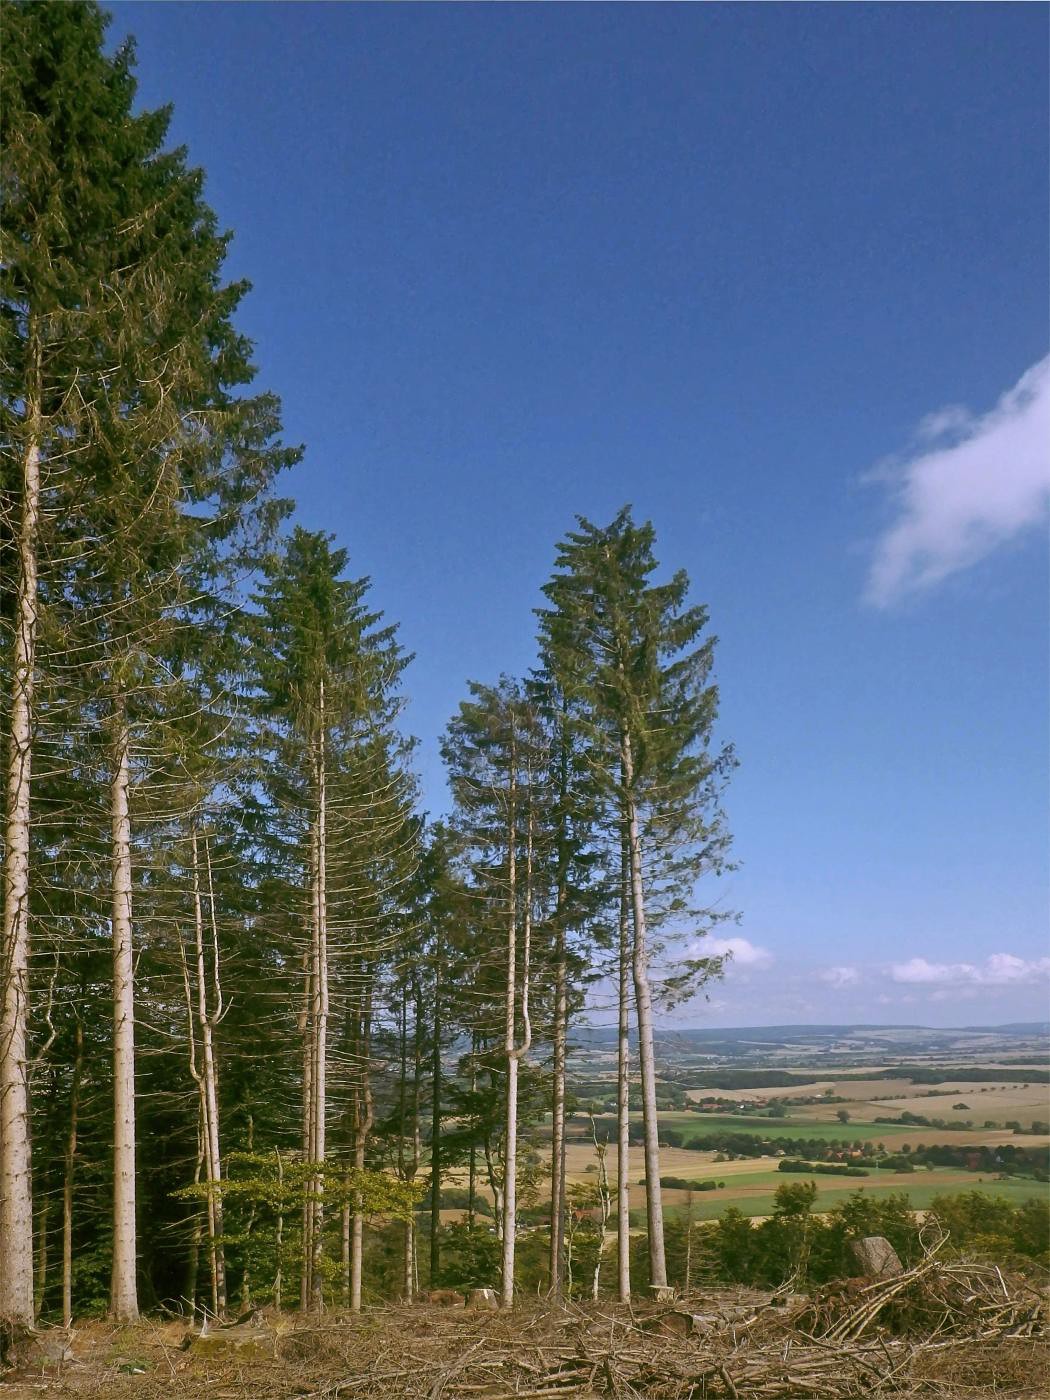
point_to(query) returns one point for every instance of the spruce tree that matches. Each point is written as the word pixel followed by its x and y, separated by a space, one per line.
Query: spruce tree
pixel 631 653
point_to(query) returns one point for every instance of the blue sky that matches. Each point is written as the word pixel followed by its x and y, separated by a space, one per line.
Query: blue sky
pixel 730 264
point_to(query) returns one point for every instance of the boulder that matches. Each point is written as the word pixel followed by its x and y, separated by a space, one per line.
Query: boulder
pixel 876 1257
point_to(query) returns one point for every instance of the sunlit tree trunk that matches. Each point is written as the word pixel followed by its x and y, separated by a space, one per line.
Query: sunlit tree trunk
pixel 16 1199
pixel 365 1119
pixel 320 1061
pixel 123 1289
pixel 560 1036
pixel 435 1117
pixel 514 1051
pixel 643 1002
pixel 68 1176
pixel 623 1095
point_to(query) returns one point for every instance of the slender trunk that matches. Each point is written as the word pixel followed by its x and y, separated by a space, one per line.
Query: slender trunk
pixel 278 1238
pixel 366 1117
pixel 472 1167
pixel 435 1117
pixel 604 1205
pixel 623 1096
pixel 68 1177
pixel 16 1194
pixel 194 1261
pixel 560 1036
pixel 306 1030
pixel 249 1228
pixel 345 1233
pixel 643 1002
pixel 515 1052
pixel 320 1075
pixel 124 1304
pixel 41 1253
pixel 208 1078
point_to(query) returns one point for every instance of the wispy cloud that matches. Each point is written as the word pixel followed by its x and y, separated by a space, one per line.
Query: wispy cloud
pixel 966 485
pixel 997 970
pixel 840 976
pixel 743 953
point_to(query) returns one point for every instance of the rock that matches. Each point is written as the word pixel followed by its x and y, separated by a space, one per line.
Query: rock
pixel 52 1347
pixel 483 1298
pixel 876 1257
pixel 233 1341
pixel 444 1297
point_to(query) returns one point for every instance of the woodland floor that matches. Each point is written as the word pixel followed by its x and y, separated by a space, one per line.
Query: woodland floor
pixel 851 1340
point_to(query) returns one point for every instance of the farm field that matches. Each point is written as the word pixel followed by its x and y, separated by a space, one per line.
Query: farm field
pixel 920 1189
pixel 1009 1100
pixel 752 1182
pixel 895 1135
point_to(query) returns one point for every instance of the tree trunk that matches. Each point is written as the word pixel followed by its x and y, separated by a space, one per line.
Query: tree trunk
pixel 306 1029
pixel 320 1067
pixel 435 1117
pixel 123 1290
pixel 41 1253
pixel 623 1096
pixel 208 1080
pixel 16 1194
pixel 643 1002
pixel 365 1119
pixel 515 1052
pixel 70 1156
pixel 560 1037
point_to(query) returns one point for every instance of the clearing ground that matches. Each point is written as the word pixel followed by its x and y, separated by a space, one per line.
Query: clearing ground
pixel 942 1331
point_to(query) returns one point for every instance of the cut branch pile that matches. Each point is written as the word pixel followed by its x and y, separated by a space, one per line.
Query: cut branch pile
pixel 903 1336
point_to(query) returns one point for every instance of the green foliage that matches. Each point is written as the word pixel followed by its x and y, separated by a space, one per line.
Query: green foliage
pixel 470 1257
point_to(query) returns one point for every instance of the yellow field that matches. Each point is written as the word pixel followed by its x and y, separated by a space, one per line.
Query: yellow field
pixel 870 1098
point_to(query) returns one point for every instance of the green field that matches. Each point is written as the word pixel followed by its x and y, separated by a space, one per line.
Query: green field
pixel 707 1205
pixel 697 1125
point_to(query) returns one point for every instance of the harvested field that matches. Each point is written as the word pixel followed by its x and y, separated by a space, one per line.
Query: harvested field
pixel 940 1330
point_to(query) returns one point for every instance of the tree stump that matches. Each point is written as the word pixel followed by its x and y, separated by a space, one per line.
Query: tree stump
pixel 876 1257
pixel 484 1298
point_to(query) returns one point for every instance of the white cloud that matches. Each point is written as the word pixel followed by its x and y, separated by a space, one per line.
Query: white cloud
pixel 997 970
pixel 743 952
pixel 840 976
pixel 968 485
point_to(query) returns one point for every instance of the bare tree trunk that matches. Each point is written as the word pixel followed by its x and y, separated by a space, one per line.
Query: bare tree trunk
pixel 207 1079
pixel 16 1192
pixel 623 1097
pixel 68 1177
pixel 306 1030
pixel 41 1253
pixel 278 1239
pixel 345 1234
pixel 515 1052
pixel 124 1304
pixel 366 1117
pixel 643 1002
pixel 435 1117
pixel 472 1161
pixel 604 1206
pixel 320 1067
pixel 194 1262
pixel 560 1036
